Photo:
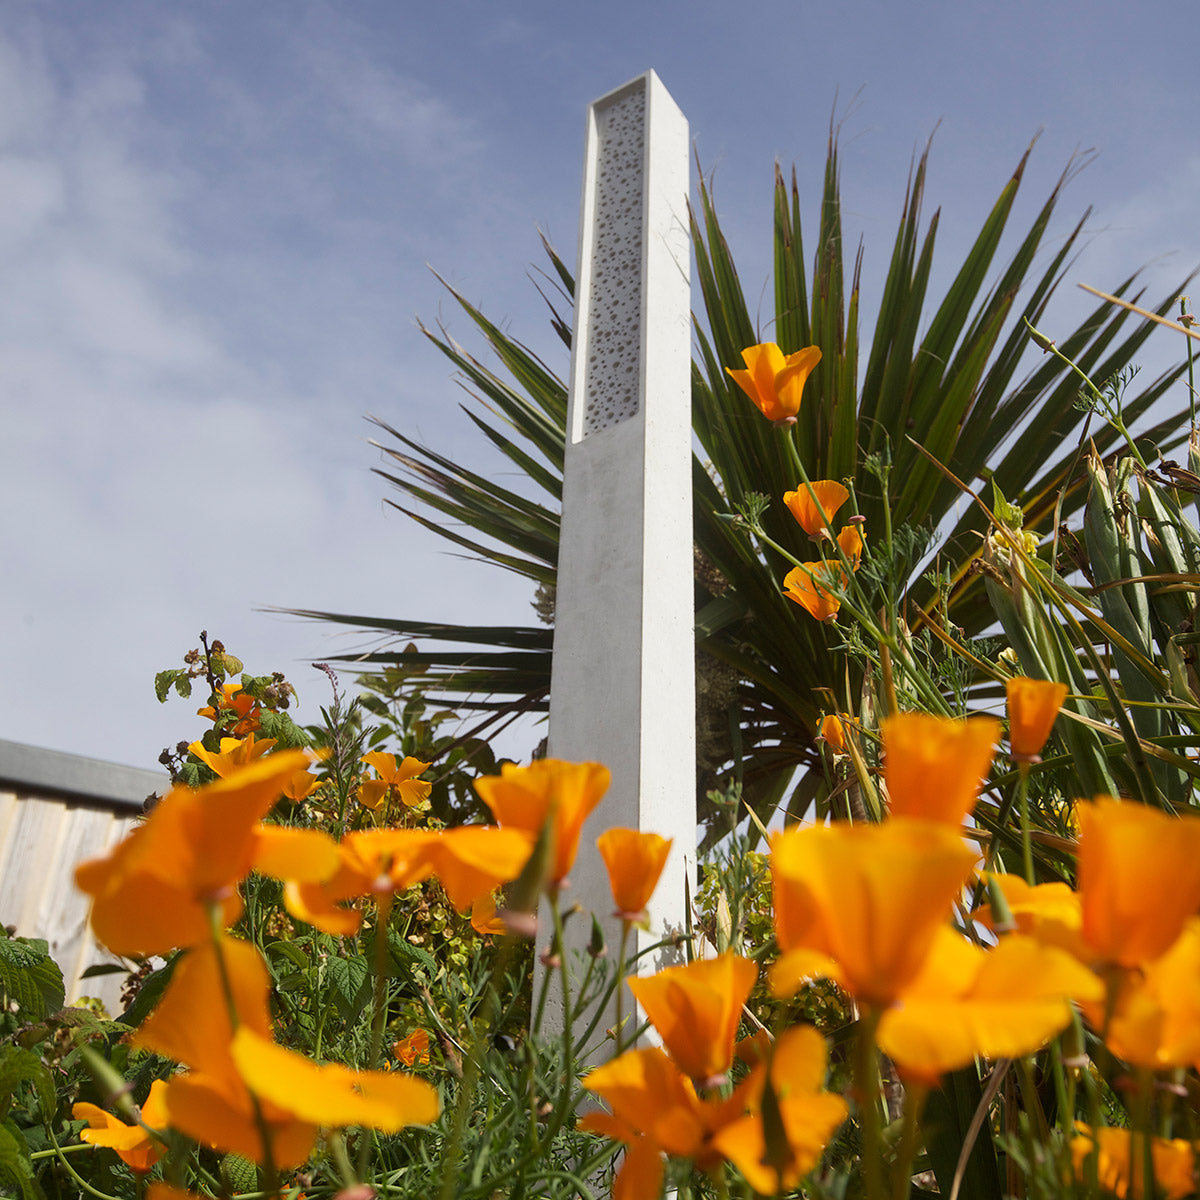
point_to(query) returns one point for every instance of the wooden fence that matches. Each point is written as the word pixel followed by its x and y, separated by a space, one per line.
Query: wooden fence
pixel 55 811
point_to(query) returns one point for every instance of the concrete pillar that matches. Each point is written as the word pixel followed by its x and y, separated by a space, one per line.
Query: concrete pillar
pixel 623 676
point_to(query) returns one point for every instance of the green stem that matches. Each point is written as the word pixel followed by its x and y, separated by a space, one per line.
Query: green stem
pixel 269 1175
pixel 620 998
pixel 914 1102
pixel 866 1085
pixel 1026 833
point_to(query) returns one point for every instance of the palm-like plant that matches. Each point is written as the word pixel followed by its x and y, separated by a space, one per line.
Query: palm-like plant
pixel 940 382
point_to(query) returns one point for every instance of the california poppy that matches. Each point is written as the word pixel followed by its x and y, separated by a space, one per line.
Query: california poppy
pixel 774 382
pixel 634 860
pixel 814 505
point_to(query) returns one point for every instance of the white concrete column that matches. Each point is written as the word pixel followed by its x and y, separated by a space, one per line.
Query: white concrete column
pixel 623 677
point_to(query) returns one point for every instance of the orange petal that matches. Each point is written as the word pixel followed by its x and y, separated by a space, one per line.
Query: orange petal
pixel 815 515
pixel 634 860
pixel 935 766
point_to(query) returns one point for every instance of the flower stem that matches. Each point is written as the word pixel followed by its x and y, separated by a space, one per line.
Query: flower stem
pixel 866 1086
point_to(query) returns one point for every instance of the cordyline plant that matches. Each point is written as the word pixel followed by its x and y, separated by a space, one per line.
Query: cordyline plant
pixel 939 380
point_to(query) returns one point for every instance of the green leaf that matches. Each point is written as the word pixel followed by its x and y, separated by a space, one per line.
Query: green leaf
pixel 351 980
pixel 17 1065
pixel 15 1165
pixel 30 977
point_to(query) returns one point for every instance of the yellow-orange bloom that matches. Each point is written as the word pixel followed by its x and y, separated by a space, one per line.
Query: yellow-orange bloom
pixel 413 1050
pixel 809 1115
pixel 237 704
pixel 137 1148
pixel 634 860
pixel 1120 1157
pixel 833 731
pixel 152 891
pixel 470 861
pixel 935 766
pixel 1004 1002
pixel 331 1095
pixel 862 904
pixel 235 753
pixel 655 1106
pixel 549 789
pixel 1152 1018
pixel 851 543
pixel 401 780
pixel 1138 879
pixel 810 585
pixel 696 1009
pixel 816 515
pixel 774 382
pixel 1033 704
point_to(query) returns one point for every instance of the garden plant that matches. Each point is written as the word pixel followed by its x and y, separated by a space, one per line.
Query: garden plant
pixel 963 959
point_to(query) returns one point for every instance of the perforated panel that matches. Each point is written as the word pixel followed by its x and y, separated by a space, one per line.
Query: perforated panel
pixel 612 383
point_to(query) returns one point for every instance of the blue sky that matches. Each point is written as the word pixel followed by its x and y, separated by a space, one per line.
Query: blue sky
pixel 218 220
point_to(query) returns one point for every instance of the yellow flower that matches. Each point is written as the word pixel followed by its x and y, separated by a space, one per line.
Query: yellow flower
pixel 1033 704
pixel 136 1147
pixel 851 543
pixel 413 1050
pixel 815 516
pixel 237 705
pixel 809 1115
pixel 470 861
pixel 1138 879
pixel 1120 1157
pixel 1153 1017
pixel 634 860
pixel 696 1009
pixel 862 904
pixel 151 893
pixel 775 383
pixel 655 1107
pixel 398 779
pixel 235 753
pixel 966 1001
pixel 833 731
pixel 934 766
pixel 332 1095
pixel 549 789
pixel 810 585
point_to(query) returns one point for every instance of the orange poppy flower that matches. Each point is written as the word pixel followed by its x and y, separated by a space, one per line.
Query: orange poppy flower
pixel 656 1106
pixel 634 860
pixel 775 383
pixel 696 1009
pixel 833 731
pixel 470 862
pixel 810 584
pixel 1033 705
pixel 1119 1158
pixel 135 1146
pixel 549 789
pixel 1138 879
pixel 1004 1002
pixel 152 891
pixel 1153 1017
pixel 862 904
pixel 398 779
pixel 235 704
pixel 809 1115
pixel 413 1050
pixel 816 515
pixel 851 543
pixel 235 753
pixel 935 766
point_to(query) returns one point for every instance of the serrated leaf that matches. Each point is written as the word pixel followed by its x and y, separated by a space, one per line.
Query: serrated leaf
pixel 17 1065
pixel 351 979
pixel 239 1174
pixel 183 685
pixel 15 1165
pixel 162 684
pixel 30 977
